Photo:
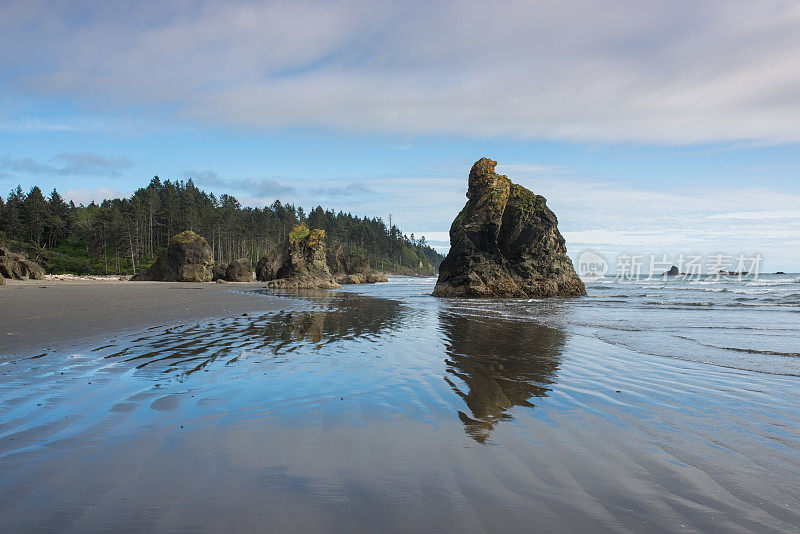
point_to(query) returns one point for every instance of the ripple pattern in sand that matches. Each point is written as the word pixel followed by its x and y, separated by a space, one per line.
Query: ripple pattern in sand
pixel 361 413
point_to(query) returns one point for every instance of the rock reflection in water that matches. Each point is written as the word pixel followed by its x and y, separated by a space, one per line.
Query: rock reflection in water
pixel 499 363
pixel 345 316
pixel 329 319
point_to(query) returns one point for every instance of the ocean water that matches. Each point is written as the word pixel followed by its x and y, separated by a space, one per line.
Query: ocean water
pixel 739 322
pixel 657 406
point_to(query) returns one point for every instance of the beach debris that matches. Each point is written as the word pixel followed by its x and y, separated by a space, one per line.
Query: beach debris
pixel 505 243
pixel 188 258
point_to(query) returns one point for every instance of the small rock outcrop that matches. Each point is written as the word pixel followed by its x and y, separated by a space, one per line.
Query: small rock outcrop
pixel 505 243
pixel 351 268
pixel 17 267
pixel 673 271
pixel 374 277
pixel 218 272
pixel 187 258
pixel 299 263
pixel 240 270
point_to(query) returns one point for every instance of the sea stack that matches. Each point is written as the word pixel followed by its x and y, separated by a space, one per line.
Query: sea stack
pixel 299 263
pixel 673 271
pixel 240 270
pixel 505 243
pixel 351 268
pixel 188 258
pixel 17 267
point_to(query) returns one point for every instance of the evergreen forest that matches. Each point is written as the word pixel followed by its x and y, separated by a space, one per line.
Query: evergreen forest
pixel 125 235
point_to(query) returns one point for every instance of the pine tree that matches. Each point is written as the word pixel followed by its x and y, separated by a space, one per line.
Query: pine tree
pixel 35 215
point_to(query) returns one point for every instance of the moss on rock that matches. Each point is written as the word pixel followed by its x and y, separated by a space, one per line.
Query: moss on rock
pixel 505 243
pixel 186 237
pixel 298 233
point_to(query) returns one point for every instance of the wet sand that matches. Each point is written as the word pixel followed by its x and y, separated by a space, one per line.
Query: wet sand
pixel 343 412
pixel 50 315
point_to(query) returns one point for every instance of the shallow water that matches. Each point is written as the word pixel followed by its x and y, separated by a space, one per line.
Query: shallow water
pixel 382 408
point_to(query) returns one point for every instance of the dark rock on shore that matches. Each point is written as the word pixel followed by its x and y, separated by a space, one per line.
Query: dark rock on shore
pixel 351 268
pixel 240 270
pixel 188 258
pixel 673 271
pixel 374 277
pixel 299 263
pixel 17 267
pixel 505 243
pixel 218 272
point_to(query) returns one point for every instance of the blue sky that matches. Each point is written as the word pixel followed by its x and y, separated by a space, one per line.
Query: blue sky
pixel 664 127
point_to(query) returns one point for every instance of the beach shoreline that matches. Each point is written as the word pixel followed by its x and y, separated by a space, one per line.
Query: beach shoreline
pixel 59 314
pixel 382 408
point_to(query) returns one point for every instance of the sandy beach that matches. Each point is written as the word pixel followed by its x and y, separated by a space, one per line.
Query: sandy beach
pixel 57 314
pixel 373 408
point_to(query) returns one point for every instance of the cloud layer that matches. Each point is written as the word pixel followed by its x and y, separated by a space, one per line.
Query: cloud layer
pixel 66 164
pixel 666 71
pixel 249 186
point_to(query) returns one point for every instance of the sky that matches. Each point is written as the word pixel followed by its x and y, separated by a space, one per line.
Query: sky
pixel 659 127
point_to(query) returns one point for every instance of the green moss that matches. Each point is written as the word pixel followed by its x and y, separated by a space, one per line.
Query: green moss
pixel 298 233
pixel 315 237
pixel 310 238
pixel 458 222
pixel 526 200
pixel 185 237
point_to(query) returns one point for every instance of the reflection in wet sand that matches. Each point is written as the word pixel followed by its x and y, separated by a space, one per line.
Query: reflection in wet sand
pixel 331 318
pixel 501 363
pixel 333 416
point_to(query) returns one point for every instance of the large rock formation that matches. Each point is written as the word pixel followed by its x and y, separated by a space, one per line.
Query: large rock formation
pixel 16 266
pixel 505 243
pixel 351 268
pixel 240 270
pixel 219 271
pixel 299 263
pixel 188 258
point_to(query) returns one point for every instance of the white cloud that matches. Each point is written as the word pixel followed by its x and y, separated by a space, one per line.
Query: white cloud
pixel 663 71
pixel 87 196
pixel 638 218
pixel 758 215
pixel 68 164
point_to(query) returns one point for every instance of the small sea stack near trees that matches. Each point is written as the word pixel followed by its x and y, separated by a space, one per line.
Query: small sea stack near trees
pixel 349 268
pixel 299 263
pixel 505 243
pixel 18 267
pixel 240 270
pixel 187 258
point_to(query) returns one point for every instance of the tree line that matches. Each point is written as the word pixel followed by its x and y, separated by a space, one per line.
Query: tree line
pixel 124 235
